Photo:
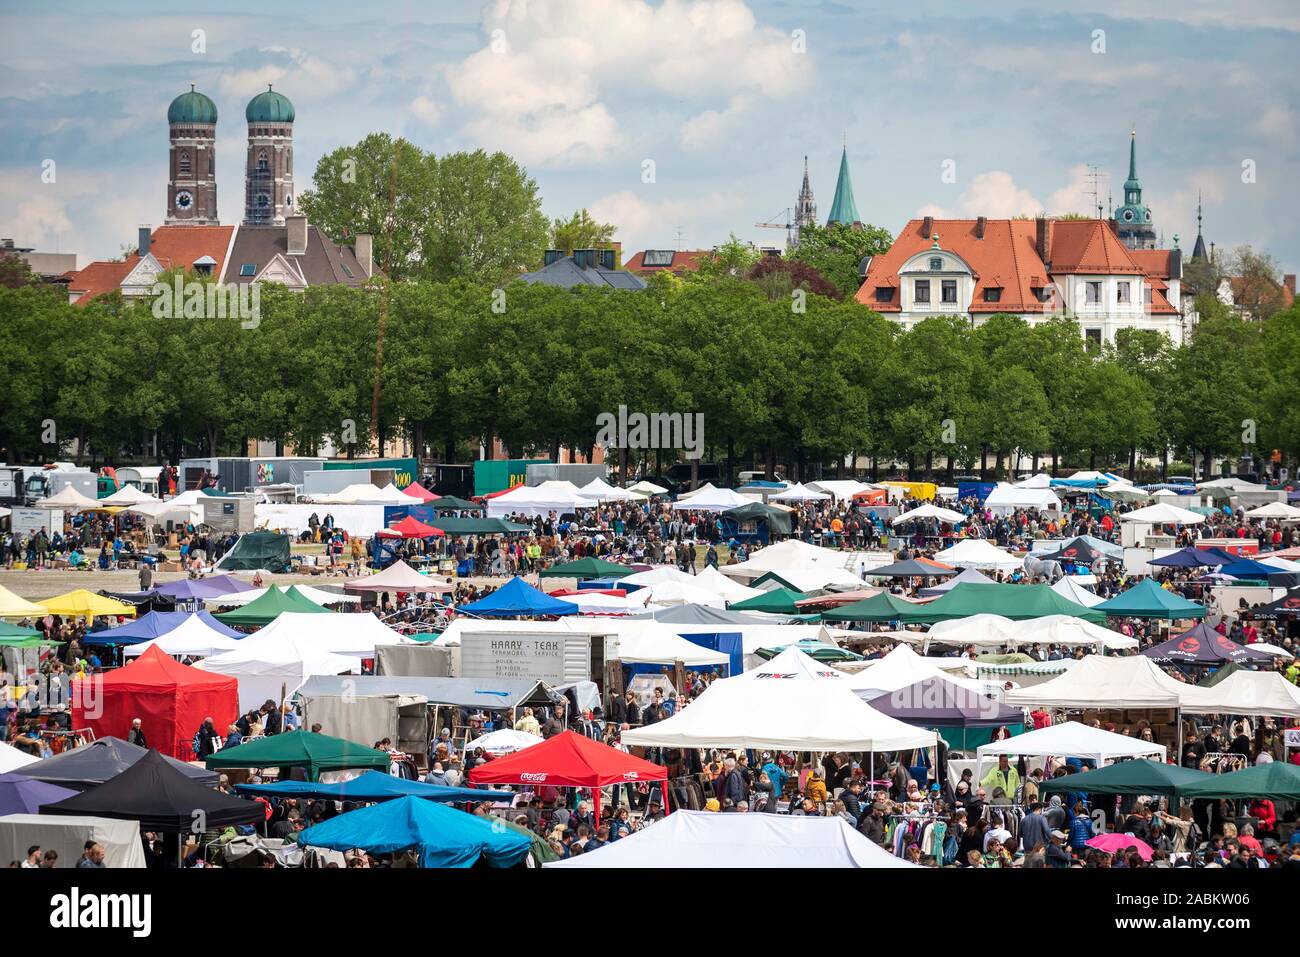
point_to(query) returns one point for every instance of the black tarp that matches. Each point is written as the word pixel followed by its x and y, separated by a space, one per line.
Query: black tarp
pixel 101 761
pixel 162 798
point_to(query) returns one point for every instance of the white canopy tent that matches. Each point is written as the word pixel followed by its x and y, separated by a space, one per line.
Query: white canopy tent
pixel 160 511
pixel 365 493
pixel 648 642
pixel 1162 513
pixel 504 741
pixel 1274 650
pixel 128 495
pixel 681 593
pixel 661 573
pixel 1067 587
pixel 1253 693
pixel 399 577
pixel 789 553
pixel 11 759
pixel 790 702
pixel 70 499
pixel 265 666
pixel 841 489
pixel 1069 739
pixel 811 577
pixel 978 553
pixel 352 635
pixel 713 580
pixel 899 669
pixel 798 492
pixel 929 510
pixel 598 490
pixel 1103 682
pixel 710 499
pixel 701 839
pixel 1278 510
pixel 1005 499
pixel 360 521
pixel 532 501
pixel 192 638
pixel 989 631
pixel 647 488
pixel 591 602
pixel 67 836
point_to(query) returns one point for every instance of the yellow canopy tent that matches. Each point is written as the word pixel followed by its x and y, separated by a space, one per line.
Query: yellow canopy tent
pixel 926 491
pixel 85 604
pixel 11 606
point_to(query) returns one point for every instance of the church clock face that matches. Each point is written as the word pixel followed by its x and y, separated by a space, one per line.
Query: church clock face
pixel 184 199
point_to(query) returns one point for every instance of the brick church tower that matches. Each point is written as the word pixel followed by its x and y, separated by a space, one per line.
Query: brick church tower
pixel 192 165
pixel 268 180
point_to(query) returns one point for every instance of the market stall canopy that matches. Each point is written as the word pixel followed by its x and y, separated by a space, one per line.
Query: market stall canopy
pixel 191 638
pixel 1193 557
pixel 418 492
pixel 710 499
pixel 1146 599
pixel 978 553
pixel 365 493
pixel 86 604
pixel 647 488
pixel 1108 682
pixel 901 668
pixel 154 624
pixel 102 760
pixel 452 503
pixel 441 836
pixel 932 512
pixel 701 839
pixel 799 492
pixel 1005 499
pixel 310 750
pixel 265 666
pixel 1275 780
pixel 940 702
pixel 587 568
pixel 790 702
pixel 841 489
pixel 1010 601
pixel 1069 739
pixel 351 635
pixel 1288 606
pixel 788 554
pixel 479 694
pixel 1202 645
pixel 778 601
pixel 561 498
pixel 399 577
pixel 11 759
pixel 372 786
pixel 1139 776
pixel 1252 693
pixel 20 794
pixel 210 587
pixel 458 525
pixel 710 579
pixel 69 499
pixel 591 601
pixel 67 837
pixel 161 798
pixel 1061 630
pixel 965 576
pixel 777 518
pixel 517 598
pixel 270 605
pixel 568 760
pixel 1076 551
pixel 915 568
pixel 1162 513
pixel 881 607
pixel 411 527
pixel 127 495
pixel 11 606
pixel 598 490
pixel 1071 590
pixel 1278 510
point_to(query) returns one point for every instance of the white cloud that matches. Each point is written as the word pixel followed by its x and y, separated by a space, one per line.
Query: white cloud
pixel 643 223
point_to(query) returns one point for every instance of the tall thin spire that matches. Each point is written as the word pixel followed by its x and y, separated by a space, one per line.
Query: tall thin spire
pixel 843 208
pixel 1198 251
pixel 1133 156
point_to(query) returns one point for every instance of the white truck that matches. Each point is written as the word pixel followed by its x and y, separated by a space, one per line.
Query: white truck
pixel 545 655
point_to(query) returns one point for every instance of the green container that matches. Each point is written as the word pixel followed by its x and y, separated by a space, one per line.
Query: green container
pixel 405 471
pixel 497 475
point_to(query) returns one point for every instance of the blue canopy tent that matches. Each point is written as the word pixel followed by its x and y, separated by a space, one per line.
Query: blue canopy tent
pixel 976 490
pixel 1248 568
pixel 1192 557
pixel 515 598
pixel 155 624
pixel 442 836
pixel 371 786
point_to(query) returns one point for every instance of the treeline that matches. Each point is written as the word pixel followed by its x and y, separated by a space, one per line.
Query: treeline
pixel 535 366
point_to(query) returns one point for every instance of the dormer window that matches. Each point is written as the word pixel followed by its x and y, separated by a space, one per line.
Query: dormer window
pixel 884 294
pixel 993 294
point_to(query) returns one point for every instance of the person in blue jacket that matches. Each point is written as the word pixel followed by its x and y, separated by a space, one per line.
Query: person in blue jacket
pixel 1081 829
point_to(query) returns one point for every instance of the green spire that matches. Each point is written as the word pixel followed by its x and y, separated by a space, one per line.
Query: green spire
pixel 843 208
pixel 1132 182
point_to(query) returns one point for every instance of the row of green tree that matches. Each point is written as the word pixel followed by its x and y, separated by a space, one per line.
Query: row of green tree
pixel 535 366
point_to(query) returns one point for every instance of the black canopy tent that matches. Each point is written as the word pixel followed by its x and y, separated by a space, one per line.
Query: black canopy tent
pixel 101 761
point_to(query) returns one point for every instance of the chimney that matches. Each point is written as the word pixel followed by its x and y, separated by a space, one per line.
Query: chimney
pixel 364 249
pixel 584 258
pixel 608 259
pixel 551 256
pixel 1289 281
pixel 144 237
pixel 927 227
pixel 617 247
pixel 979 227
pixel 297 234
pixel 1043 239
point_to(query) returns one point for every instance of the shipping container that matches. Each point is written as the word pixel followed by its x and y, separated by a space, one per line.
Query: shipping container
pixel 245 474
pixel 578 474
pixel 497 475
pixel 547 656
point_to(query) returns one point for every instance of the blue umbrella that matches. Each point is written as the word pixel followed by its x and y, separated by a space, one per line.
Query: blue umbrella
pixel 443 836
pixel 20 794
pixel 372 786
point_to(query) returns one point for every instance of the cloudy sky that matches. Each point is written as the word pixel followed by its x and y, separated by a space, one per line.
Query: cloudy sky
pixel 720 99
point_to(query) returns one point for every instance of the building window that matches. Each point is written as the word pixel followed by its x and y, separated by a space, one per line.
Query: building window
pixel 922 293
pixel 993 294
pixel 1092 339
pixel 1122 292
pixel 936 264
pixel 1146 295
pixel 263 201
pixel 950 290
pixel 262 163
pixel 248 269
pixel 1092 293
pixel 183 163
pixel 884 294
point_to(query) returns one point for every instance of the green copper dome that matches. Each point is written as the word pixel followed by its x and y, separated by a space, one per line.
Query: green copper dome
pixel 269 107
pixel 192 107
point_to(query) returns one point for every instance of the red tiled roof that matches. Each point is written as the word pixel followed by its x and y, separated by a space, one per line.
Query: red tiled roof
pixel 683 261
pixel 1239 289
pixel 172 246
pixel 1089 246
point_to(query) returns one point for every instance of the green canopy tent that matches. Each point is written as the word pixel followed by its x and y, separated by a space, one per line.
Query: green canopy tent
pixel 1017 602
pixel 587 568
pixel 270 606
pixel 756 513
pixel 456 525
pixel 882 607
pixel 450 503
pixel 1146 599
pixel 778 601
pixel 257 550
pixel 1273 780
pixel 1129 777
pixel 312 751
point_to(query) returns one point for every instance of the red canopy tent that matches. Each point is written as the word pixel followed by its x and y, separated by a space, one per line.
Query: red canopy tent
pixel 411 528
pixel 170 699
pixel 571 760
pixel 419 492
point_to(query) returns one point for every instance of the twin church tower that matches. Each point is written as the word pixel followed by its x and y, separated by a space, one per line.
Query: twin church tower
pixel 192 169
